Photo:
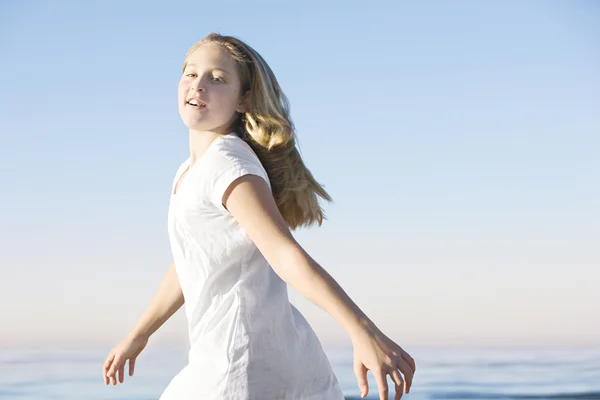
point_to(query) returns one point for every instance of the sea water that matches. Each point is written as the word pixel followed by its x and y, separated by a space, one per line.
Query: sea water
pixel 44 373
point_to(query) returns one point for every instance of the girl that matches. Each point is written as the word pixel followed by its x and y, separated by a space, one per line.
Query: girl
pixel 232 205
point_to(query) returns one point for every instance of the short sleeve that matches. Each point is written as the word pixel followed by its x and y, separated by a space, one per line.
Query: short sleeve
pixel 230 165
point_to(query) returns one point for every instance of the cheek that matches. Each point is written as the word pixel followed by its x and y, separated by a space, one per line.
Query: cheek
pixel 232 95
pixel 182 89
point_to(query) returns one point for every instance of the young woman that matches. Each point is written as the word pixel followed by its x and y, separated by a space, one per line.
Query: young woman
pixel 233 203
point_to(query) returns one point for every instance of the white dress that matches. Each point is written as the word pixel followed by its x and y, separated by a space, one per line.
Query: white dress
pixel 247 341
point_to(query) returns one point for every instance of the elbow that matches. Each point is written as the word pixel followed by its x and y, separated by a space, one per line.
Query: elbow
pixel 289 262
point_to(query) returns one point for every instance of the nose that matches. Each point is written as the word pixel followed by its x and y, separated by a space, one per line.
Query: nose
pixel 198 85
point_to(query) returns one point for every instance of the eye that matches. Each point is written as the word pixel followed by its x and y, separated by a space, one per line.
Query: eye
pixel 191 75
pixel 218 79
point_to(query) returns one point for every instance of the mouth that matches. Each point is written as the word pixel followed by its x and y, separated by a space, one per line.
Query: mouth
pixel 196 103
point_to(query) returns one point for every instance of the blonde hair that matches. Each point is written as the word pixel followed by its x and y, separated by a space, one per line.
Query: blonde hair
pixel 268 129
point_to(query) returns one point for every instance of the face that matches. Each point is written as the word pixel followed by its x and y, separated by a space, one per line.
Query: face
pixel 209 90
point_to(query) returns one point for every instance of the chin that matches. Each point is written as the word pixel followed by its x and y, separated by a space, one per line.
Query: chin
pixel 193 122
pixel 200 126
pixel 195 126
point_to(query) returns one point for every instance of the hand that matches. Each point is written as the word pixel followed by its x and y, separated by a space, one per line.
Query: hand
pixel 376 352
pixel 128 349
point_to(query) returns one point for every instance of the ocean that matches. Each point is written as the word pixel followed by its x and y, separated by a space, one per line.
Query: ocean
pixel 41 373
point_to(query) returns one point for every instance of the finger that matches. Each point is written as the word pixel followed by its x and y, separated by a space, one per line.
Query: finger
pixel 104 374
pixel 122 372
pixel 109 374
pixel 397 378
pixel 381 383
pixel 361 377
pixel 105 377
pixel 408 373
pixel 109 359
pixel 410 361
pixel 110 377
pixel 131 366
pixel 106 366
pixel 113 370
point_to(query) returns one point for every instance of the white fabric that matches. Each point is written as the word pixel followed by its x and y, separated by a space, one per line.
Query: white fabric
pixel 247 341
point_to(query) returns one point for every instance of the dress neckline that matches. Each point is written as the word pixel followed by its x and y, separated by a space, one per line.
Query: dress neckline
pixel 175 192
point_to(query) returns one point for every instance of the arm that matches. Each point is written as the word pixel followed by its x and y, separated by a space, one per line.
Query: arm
pixel 250 201
pixel 166 301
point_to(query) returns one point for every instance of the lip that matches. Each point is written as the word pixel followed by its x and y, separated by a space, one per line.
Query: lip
pixel 201 104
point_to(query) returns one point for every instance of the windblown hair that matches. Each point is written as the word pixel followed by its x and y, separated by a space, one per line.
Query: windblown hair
pixel 268 129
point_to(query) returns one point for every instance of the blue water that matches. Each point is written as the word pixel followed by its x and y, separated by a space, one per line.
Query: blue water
pixel 443 373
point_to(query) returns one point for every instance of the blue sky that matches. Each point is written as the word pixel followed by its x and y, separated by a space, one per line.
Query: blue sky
pixel 459 141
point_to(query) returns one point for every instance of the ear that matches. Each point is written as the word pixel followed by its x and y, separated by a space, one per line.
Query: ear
pixel 244 104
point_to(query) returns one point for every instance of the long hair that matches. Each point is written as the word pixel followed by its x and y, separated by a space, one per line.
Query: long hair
pixel 268 129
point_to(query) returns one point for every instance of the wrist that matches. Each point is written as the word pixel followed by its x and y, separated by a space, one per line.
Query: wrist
pixel 363 326
pixel 135 335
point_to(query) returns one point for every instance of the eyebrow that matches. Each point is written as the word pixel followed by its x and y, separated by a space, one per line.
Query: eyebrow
pixel 214 68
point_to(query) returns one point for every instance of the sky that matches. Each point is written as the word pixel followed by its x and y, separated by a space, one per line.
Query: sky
pixel 459 141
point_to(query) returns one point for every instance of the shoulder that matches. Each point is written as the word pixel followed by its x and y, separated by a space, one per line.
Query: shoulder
pixel 235 150
pixel 230 158
pixel 232 152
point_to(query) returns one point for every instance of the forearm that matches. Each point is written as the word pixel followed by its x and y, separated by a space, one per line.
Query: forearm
pixel 167 300
pixel 313 282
